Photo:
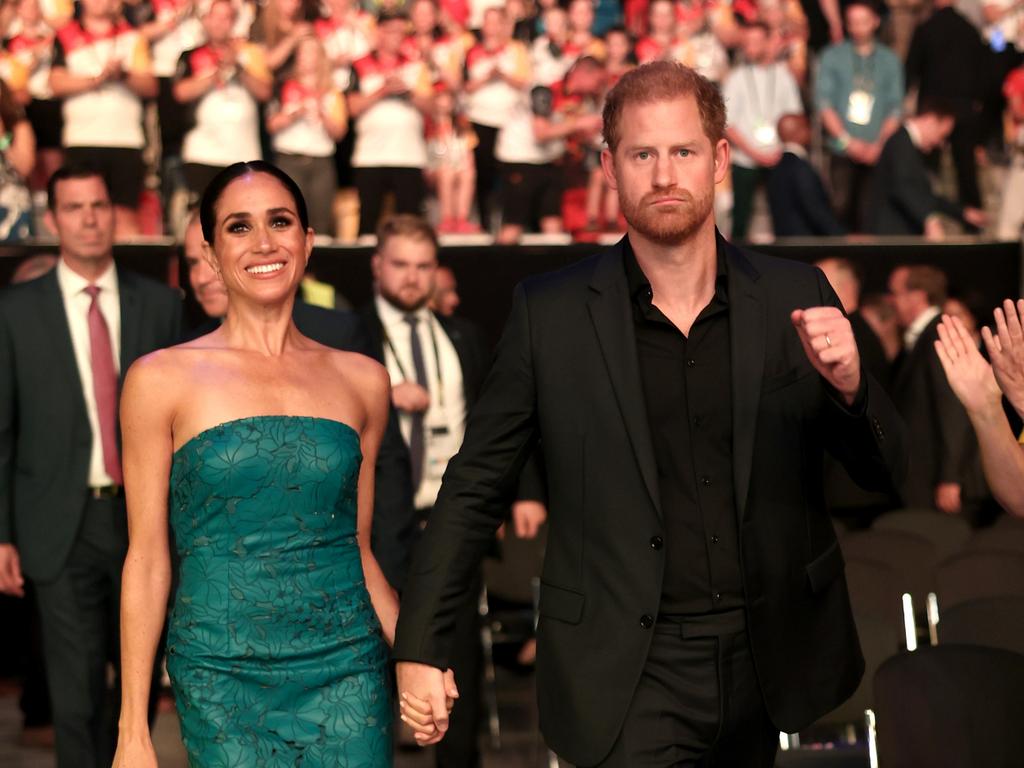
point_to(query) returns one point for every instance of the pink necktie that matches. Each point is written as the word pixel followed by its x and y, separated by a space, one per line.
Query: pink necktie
pixel 104 384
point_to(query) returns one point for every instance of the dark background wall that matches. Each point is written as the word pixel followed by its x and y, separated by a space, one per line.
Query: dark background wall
pixel 487 275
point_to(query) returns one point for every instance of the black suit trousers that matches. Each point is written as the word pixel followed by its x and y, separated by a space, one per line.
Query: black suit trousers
pixel 698 703
pixel 79 611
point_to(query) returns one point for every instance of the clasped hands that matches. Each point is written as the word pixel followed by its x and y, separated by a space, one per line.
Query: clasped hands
pixel 426 697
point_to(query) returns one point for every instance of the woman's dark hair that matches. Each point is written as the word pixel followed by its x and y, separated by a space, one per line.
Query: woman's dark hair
pixel 214 190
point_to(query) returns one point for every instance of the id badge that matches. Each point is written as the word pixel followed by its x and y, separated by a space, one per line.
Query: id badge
pixel 860 107
pixel 765 134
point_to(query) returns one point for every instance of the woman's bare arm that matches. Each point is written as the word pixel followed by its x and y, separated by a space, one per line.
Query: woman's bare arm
pixel 147 412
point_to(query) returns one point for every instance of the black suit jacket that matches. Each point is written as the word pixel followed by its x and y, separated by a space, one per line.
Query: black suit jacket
pixel 944 447
pixel 901 192
pixel 566 372
pixel 799 203
pixel 45 438
pixel 393 518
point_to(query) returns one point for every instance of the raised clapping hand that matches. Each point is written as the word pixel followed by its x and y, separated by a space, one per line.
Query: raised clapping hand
pixel 426 697
pixel 828 341
pixel 1006 351
pixel 970 376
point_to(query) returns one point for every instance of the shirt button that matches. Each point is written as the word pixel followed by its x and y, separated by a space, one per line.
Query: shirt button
pixel 646 622
pixel 705 480
pixel 657 542
pixel 714 539
pixel 717 597
pixel 691 363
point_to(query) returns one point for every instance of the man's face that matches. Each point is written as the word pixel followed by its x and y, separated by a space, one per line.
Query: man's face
pixel 390 35
pixel 663 18
pixel 219 21
pixel 83 218
pixel 493 27
pixel 908 304
pixel 206 284
pixel 404 269
pixel 861 23
pixel 755 45
pixel 665 169
pixel 581 15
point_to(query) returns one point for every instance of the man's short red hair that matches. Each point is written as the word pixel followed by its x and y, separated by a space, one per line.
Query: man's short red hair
pixel 663 81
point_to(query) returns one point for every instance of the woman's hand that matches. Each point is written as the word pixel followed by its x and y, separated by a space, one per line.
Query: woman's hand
pixel 969 375
pixel 135 752
pixel 1006 351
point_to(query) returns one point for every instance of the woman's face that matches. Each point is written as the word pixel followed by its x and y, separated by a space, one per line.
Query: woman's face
pixel 289 9
pixel 259 246
pixel 618 47
pixel 28 11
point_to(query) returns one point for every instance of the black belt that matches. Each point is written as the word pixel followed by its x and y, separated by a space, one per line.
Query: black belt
pixel 703 625
pixel 106 492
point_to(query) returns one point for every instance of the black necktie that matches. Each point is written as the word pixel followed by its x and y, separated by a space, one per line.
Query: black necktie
pixel 417 443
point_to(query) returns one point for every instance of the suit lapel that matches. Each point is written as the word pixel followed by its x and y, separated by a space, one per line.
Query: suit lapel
pixel 747 329
pixel 58 332
pixel 131 319
pixel 609 307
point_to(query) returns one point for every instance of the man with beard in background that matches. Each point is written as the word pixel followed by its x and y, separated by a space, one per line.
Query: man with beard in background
pixel 693 602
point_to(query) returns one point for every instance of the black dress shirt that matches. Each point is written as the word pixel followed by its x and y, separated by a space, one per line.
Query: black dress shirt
pixel 687 385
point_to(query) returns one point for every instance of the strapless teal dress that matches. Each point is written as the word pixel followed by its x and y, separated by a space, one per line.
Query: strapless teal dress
pixel 274 651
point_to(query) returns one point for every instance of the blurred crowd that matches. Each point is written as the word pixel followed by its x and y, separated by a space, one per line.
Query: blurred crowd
pixel 485 114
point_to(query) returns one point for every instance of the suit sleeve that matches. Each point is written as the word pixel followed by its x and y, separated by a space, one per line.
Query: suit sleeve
pixel 7 427
pixel 394 524
pixel 501 433
pixel 870 439
pixel 913 194
pixel 813 201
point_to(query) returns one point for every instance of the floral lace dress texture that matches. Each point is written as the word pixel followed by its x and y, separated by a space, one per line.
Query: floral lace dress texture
pixel 274 651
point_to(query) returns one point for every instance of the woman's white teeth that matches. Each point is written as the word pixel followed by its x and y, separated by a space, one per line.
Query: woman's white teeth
pixel 262 269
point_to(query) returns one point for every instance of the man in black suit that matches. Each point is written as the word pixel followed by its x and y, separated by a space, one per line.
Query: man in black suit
pixel 944 444
pixel 902 200
pixel 796 195
pixel 65 339
pixel 437 366
pixel 393 520
pixel 692 602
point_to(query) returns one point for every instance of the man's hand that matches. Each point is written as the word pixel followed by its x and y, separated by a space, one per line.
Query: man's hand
pixel 11 580
pixel 410 397
pixel 947 498
pixel 1006 351
pixel 528 517
pixel 828 341
pixel 975 217
pixel 426 697
pixel 933 229
pixel 768 158
pixel 970 376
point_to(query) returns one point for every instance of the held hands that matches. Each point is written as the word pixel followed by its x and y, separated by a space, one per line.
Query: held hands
pixel 828 341
pixel 1006 351
pixel 426 698
pixel 970 376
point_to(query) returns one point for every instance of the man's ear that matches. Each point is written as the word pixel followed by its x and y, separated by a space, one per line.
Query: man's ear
pixel 722 159
pixel 608 168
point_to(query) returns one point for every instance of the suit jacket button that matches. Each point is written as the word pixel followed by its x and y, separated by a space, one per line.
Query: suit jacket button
pixel 657 542
pixel 646 622
pixel 879 431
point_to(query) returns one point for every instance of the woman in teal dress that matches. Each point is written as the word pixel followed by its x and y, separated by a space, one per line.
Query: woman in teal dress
pixel 258 446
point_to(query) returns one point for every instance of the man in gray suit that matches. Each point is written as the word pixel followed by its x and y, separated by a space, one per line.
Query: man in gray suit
pixel 65 340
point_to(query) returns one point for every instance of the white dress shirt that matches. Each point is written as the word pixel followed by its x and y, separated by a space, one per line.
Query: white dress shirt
pixel 916 328
pixel 76 307
pixel 447 397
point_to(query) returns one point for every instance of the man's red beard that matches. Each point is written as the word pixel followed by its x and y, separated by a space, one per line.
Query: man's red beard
pixel 672 224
